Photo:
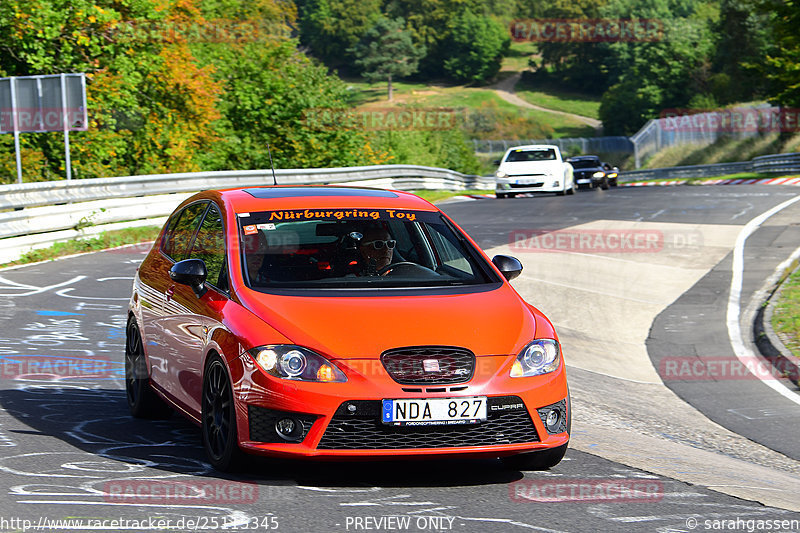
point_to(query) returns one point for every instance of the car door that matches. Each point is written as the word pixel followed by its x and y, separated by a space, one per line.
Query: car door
pixel 173 329
pixel 197 317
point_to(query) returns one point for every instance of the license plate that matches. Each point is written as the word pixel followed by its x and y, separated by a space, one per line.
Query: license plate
pixel 528 182
pixel 434 411
pixel 583 182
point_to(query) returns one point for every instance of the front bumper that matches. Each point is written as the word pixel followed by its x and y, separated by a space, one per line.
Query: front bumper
pixel 517 184
pixel 342 420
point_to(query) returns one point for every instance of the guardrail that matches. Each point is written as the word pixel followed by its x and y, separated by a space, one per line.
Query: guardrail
pixel 39 214
pixel 35 215
pixel 780 164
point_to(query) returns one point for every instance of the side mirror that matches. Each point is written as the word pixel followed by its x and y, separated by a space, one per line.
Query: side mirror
pixel 509 266
pixel 191 272
pixel 496 162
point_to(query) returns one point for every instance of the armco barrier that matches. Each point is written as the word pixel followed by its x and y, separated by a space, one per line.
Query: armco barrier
pixel 36 215
pixel 780 164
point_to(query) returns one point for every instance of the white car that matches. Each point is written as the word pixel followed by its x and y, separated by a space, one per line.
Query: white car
pixel 533 168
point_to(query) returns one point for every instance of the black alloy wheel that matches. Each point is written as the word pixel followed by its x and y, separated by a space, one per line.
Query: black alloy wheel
pixel 143 401
pixel 220 438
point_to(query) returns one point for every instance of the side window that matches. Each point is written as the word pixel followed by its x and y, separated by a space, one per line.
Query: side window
pixel 209 245
pixel 179 235
pixel 449 253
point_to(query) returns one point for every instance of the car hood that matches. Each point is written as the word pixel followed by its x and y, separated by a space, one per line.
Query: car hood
pixel 532 167
pixel 494 322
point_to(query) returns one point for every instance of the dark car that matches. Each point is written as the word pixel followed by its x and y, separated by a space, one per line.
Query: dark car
pixel 612 173
pixel 589 172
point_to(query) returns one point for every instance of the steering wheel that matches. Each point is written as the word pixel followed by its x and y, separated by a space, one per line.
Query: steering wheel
pixel 389 268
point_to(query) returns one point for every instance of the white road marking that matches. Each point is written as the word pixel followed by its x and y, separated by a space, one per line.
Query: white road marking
pixel 740 348
pixel 13 285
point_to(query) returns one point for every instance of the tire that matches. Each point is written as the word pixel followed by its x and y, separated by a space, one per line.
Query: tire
pixel 614 182
pixel 543 460
pixel 143 401
pixel 572 189
pixel 218 424
pixel 499 195
pixel 604 184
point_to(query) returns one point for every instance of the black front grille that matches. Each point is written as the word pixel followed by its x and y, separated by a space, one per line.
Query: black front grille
pixel 529 186
pixel 429 365
pixel 357 426
pixel 262 424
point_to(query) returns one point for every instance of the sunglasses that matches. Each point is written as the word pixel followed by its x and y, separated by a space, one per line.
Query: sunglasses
pixel 379 244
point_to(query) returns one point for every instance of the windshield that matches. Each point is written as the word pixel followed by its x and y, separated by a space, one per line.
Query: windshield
pixel 531 155
pixel 585 163
pixel 342 248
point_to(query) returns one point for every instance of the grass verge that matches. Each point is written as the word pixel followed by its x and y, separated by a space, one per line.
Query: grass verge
pixel 108 239
pixel 786 314
pixel 487 115
pixel 559 100
pixel 435 196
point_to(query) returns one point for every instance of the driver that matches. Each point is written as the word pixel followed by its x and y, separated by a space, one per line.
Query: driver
pixel 376 248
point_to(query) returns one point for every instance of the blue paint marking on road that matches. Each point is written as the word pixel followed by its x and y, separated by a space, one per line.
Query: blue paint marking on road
pixel 57 313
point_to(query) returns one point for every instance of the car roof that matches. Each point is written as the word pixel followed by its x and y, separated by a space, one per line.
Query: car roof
pixel 533 147
pixel 266 198
pixel 582 157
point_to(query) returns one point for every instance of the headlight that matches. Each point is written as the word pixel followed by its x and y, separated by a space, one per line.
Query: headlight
pixel 612 174
pixel 539 357
pixel 287 361
pixel 500 174
pixel 598 174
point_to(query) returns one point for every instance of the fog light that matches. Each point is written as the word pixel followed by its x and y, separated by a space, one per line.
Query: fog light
pixel 553 418
pixel 288 428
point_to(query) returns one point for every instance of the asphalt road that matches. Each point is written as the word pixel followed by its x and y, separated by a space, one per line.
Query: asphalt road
pixel 684 457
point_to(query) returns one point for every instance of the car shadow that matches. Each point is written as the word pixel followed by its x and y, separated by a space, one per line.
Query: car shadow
pixel 97 421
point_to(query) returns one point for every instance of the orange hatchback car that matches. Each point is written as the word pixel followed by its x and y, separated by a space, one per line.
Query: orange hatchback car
pixel 338 322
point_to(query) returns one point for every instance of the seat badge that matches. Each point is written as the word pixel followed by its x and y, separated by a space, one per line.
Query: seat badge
pixel 430 365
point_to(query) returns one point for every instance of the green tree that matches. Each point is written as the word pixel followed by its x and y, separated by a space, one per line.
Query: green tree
pixel 744 38
pixel 270 96
pixel 330 28
pixel 782 66
pixel 387 52
pixel 577 65
pixel 477 45
pixel 647 77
